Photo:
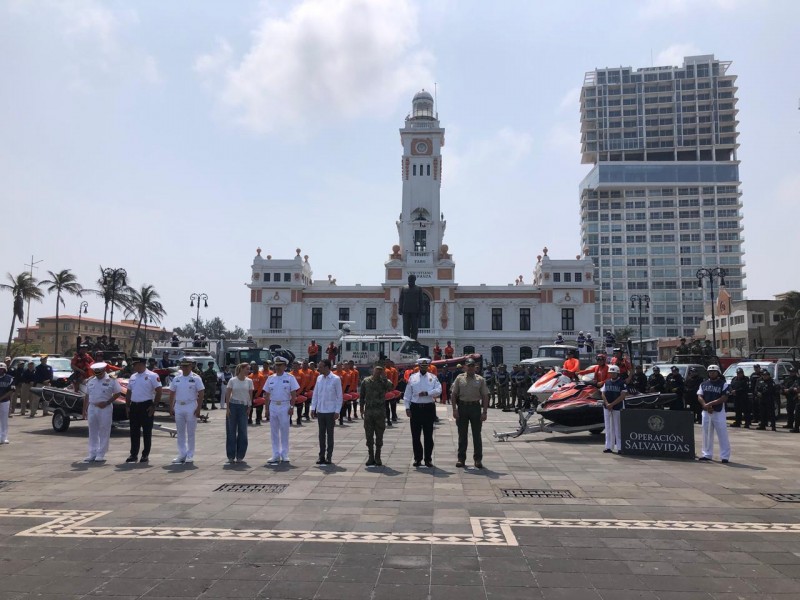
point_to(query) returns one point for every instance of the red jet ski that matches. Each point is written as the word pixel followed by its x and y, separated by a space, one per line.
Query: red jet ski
pixel 579 405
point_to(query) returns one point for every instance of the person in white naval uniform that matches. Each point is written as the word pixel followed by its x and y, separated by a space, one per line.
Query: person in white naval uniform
pixel 185 400
pixel 98 410
pixel 420 396
pixel 280 391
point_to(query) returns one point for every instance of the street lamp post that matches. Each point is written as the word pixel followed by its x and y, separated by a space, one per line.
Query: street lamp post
pixel 114 277
pixel 197 297
pixel 639 299
pixel 82 309
pixel 711 274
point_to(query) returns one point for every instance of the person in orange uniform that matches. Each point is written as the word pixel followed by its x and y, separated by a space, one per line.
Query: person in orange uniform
pixel 314 351
pixel 572 363
pixel 340 373
pixel 623 362
pixel 258 378
pixel 353 383
pixel 449 351
pixel 437 351
pixel 300 399
pixel 310 368
pixel 601 371
pixel 393 376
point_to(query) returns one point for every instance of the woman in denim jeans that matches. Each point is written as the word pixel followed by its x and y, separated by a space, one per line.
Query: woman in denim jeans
pixel 238 399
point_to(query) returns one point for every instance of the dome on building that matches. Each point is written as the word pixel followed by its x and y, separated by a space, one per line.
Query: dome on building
pixel 422 106
pixel 423 95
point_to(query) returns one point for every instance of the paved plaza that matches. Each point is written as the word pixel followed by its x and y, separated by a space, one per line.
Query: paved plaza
pixel 633 528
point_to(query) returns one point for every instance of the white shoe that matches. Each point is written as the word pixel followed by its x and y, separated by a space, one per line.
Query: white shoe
pixel 285 459
pixel 178 460
pixel 88 459
pixel 6 441
pixel 100 459
pixel 189 460
pixel 273 460
pixel 230 461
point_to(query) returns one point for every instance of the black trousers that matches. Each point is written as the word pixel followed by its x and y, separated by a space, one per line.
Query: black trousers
pixel 391 410
pixel 741 404
pixel 325 423
pixel 767 412
pixel 422 417
pixel 469 416
pixel 141 426
pixel 791 405
pixel 299 409
pixel 259 410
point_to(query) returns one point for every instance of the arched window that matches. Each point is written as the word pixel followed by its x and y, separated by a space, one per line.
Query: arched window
pixel 497 355
pixel 425 313
pixel 525 352
pixel 469 349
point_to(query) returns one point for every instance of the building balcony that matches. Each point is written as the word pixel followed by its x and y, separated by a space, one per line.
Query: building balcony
pixel 270 332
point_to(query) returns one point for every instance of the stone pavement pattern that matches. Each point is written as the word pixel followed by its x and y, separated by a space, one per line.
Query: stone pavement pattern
pixel 636 528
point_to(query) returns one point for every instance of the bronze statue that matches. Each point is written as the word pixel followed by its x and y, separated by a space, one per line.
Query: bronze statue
pixel 411 303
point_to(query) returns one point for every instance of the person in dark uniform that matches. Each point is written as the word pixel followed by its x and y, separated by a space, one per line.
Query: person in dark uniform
pixel 521 382
pixel 410 307
pixel 638 380
pixel 656 381
pixel 422 390
pixel 767 395
pixel 692 384
pixel 589 344
pixel 512 387
pixel 42 375
pixel 682 349
pixel 789 387
pixel 755 379
pixel 488 376
pixel 740 389
pixel 674 384
pixel 501 382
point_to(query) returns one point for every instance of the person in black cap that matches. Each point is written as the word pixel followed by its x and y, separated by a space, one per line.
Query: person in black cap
pixel 144 393
pixel 789 387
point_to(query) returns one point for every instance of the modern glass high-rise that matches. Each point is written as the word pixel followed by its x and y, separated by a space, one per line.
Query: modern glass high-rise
pixel 662 199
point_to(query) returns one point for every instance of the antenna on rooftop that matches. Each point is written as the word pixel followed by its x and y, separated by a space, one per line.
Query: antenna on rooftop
pixel 435 101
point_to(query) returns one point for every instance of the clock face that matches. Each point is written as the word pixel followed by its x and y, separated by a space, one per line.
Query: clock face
pixel 421 147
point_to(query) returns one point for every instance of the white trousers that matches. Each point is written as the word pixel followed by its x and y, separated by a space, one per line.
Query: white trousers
pixel 99 429
pixel 5 407
pixel 186 424
pixel 715 422
pixel 611 422
pixel 279 420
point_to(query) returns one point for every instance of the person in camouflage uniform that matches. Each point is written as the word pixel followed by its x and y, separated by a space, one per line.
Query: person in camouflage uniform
pixel 210 380
pixel 372 392
pixel 502 378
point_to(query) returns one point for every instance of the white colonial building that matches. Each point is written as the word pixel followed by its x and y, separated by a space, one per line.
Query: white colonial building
pixel 505 323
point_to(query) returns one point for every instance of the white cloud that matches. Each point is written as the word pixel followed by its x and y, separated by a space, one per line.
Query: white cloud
pixel 674 55
pixel 504 150
pixel 335 58
pixel 570 100
pixel 661 9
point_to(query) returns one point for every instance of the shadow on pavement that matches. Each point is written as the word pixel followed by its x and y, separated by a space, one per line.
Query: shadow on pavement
pixel 179 468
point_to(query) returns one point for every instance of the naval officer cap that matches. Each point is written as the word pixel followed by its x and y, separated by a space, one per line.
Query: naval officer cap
pixel 470 361
pixel 187 362
pixel 280 360
pixel 137 359
pixel 98 366
pixel 424 361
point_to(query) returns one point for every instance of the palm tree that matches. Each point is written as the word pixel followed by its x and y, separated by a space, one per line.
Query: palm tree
pixel 790 321
pixel 144 305
pixel 111 289
pixel 63 282
pixel 24 287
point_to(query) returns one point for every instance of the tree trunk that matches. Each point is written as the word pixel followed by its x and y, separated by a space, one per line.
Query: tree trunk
pixel 58 301
pixel 136 336
pixel 11 334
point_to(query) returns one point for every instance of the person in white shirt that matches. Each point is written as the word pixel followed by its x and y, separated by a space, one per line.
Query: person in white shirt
pixel 326 404
pixel 238 400
pixel 280 392
pixel 144 392
pixel 98 410
pixel 185 399
pixel 419 398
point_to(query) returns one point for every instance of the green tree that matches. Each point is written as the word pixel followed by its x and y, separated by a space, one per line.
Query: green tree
pixel 109 288
pixel 626 333
pixel 143 304
pixel 213 329
pixel 24 287
pixel 790 317
pixel 63 282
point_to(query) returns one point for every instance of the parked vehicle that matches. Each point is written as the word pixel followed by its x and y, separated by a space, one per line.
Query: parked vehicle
pixel 62 367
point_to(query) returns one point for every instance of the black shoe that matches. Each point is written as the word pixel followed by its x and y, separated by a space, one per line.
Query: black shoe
pixel 704 459
pixel 131 459
pixel 307 418
pixel 213 407
pixel 144 459
pixel 774 428
pixel 724 461
pixel 607 451
pixel 735 425
pixel 394 419
pixel 389 424
pixel 795 430
pixel 258 422
pixel 350 420
pixel 341 422
pixel 460 464
pixel 429 464
pixel 478 464
pixel 761 428
pixel 417 463
pixel 328 461
pixel 320 461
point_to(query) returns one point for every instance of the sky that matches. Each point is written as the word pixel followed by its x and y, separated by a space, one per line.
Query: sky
pixel 174 138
